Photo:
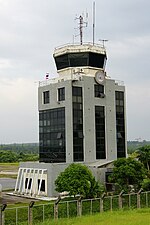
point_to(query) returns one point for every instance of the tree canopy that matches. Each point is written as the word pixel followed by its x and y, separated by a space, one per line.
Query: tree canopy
pixel 128 172
pixel 143 154
pixel 78 179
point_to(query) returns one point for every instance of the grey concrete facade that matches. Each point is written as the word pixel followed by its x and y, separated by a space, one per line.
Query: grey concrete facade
pixel 83 76
pixel 89 102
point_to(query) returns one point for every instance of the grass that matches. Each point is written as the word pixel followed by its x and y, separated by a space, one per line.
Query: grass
pixel 130 217
pixel 9 167
pixel 8 176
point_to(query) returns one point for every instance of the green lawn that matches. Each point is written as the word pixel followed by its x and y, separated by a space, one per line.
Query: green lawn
pixel 131 217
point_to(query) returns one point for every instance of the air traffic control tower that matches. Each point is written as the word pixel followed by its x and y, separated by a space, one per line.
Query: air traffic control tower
pixel 82 119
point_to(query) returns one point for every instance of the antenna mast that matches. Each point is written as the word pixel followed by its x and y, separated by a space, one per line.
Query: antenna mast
pixel 93 22
pixel 103 42
pixel 81 29
pixel 81 26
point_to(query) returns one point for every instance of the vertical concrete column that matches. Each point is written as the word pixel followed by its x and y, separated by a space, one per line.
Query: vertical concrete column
pixel 102 202
pixel 79 206
pixel 139 198
pixel 120 199
pixel 30 213
pixel 56 207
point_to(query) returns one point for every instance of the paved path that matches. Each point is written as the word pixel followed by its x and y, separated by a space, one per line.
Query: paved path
pixel 7 183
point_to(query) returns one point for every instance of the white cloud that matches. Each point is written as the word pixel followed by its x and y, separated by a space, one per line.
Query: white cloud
pixel 138 108
pixel 18 114
pixel 30 30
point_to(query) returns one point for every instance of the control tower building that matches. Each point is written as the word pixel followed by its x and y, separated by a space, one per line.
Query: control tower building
pixel 82 119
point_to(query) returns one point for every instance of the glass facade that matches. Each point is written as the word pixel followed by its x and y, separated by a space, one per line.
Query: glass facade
pixel 46 97
pixel 100 132
pixel 120 124
pixel 52 135
pixel 61 94
pixel 78 149
pixel 80 59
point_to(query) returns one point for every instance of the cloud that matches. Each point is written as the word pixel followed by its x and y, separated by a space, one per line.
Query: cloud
pixel 138 109
pixel 18 114
pixel 30 30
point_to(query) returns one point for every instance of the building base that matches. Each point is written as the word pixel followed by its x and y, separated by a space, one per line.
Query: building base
pixel 38 179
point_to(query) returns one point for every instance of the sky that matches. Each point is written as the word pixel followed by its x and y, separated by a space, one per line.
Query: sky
pixel 31 29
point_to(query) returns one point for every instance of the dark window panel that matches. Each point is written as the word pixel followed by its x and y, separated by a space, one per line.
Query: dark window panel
pixel 42 185
pixel 100 132
pixel 99 90
pixel 62 61
pixel 120 124
pixel 80 59
pixel 52 136
pixel 78 154
pixel 28 185
pixel 61 94
pixel 77 91
pixel 46 97
pixel 97 60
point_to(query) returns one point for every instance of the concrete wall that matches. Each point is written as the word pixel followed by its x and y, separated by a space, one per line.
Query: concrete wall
pixel 53 170
pixel 89 103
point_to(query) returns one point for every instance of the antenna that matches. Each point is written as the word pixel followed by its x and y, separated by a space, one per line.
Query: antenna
pixel 81 26
pixel 93 22
pixel 81 29
pixel 103 42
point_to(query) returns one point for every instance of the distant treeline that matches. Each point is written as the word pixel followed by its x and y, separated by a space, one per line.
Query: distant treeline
pixel 134 145
pixel 33 148
pixel 11 156
pixel 28 148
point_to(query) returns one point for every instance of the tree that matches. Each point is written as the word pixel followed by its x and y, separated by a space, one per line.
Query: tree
pixel 146 184
pixel 143 154
pixel 78 179
pixel 8 156
pixel 128 172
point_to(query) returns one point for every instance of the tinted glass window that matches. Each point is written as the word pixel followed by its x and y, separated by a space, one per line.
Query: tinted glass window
pixel 78 136
pixel 61 94
pixel 120 124
pixel 80 59
pixel 100 132
pixel 99 90
pixel 46 97
pixel 96 60
pixel 52 135
pixel 62 61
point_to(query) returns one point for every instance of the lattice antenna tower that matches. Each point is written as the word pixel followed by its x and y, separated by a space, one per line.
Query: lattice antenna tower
pixel 83 23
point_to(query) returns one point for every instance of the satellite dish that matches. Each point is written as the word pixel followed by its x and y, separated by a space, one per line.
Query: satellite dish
pixel 99 76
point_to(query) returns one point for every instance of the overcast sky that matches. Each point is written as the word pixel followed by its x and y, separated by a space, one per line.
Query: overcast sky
pixel 31 29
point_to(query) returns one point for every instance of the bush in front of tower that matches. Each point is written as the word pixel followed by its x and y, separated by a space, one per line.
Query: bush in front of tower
pixel 77 179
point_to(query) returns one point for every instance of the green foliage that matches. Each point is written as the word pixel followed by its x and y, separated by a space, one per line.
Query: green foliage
pixel 10 156
pixel 134 145
pixel 143 154
pixel 27 157
pixel 78 179
pixel 146 184
pixel 67 209
pixel 127 217
pixel 128 172
pixel 28 148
